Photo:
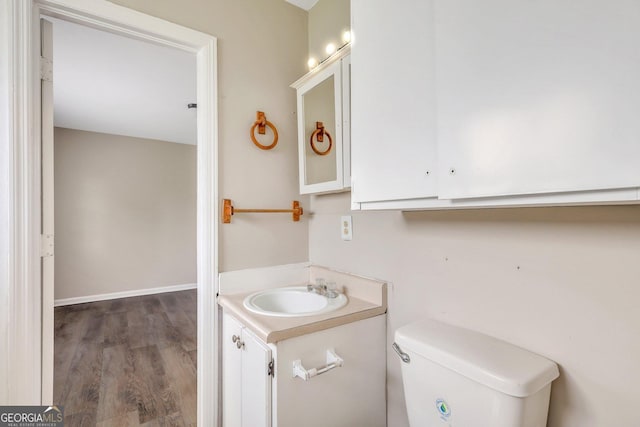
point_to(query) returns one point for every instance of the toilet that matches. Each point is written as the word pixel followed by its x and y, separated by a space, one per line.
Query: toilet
pixel 457 377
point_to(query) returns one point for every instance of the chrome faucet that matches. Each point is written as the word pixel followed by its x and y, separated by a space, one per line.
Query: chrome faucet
pixel 321 288
pixel 318 288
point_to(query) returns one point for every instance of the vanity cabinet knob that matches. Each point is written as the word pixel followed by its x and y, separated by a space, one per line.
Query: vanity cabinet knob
pixel 236 339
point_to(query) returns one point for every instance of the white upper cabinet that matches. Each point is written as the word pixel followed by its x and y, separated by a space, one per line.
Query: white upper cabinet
pixel 537 96
pixel 461 103
pixel 323 126
pixel 392 104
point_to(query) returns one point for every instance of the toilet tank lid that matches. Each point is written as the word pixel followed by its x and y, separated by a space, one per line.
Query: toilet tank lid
pixel 489 361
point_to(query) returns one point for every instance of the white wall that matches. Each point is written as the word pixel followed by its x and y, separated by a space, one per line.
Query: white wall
pixel 262 47
pixel 125 213
pixel 562 282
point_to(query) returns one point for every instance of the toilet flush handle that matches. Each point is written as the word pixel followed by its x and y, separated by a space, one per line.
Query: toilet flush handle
pixel 404 356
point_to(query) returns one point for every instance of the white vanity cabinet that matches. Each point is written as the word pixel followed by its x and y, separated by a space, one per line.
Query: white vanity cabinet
pixel 495 103
pixel 324 132
pixel 246 377
pixel 346 396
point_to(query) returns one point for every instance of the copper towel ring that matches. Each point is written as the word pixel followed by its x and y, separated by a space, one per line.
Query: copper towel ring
pixel 320 132
pixel 261 123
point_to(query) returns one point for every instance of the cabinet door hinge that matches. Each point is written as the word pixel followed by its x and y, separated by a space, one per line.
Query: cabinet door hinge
pixel 46 69
pixel 46 245
pixel 271 370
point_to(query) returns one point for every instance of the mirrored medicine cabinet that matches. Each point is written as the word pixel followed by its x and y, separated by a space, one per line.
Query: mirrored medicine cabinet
pixel 324 149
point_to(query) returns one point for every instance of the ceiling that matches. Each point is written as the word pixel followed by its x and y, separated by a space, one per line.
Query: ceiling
pixel 113 84
pixel 303 4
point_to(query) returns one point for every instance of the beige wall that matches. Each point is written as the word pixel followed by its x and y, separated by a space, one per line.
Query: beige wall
pixel 262 46
pixel 574 298
pixel 125 213
pixel 328 19
pixel 562 282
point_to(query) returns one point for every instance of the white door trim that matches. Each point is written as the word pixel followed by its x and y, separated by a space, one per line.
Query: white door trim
pixel 21 363
pixel 47 218
pixel 20 172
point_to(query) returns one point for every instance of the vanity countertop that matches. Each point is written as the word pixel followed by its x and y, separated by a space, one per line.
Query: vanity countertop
pixel 367 298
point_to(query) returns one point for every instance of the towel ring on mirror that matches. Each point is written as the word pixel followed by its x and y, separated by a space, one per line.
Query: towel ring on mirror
pixel 261 123
pixel 319 133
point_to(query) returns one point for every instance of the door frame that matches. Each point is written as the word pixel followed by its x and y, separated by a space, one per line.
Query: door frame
pixel 22 326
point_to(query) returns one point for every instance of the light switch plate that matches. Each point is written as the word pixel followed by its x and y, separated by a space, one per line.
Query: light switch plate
pixel 346 228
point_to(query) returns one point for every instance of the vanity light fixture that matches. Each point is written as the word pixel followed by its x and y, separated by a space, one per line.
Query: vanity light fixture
pixel 330 49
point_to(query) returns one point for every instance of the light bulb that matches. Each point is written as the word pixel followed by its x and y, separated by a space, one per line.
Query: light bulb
pixel 330 48
pixel 312 63
pixel 346 36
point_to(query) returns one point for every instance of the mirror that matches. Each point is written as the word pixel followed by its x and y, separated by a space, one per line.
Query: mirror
pixel 323 126
pixel 320 133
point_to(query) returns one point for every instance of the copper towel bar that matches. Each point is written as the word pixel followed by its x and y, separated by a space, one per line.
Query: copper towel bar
pixel 228 210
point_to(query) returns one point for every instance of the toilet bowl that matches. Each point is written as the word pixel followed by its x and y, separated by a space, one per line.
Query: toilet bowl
pixel 457 377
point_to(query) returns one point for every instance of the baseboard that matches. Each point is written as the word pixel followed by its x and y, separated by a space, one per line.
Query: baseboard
pixel 123 294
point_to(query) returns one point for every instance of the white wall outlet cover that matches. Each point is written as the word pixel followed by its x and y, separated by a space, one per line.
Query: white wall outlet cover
pixel 346 228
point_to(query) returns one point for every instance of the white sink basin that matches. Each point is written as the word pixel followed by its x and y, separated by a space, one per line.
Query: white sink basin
pixel 292 302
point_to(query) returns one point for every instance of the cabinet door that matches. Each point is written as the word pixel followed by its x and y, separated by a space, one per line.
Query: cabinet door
pixel 393 137
pixel 256 382
pixel 231 373
pixel 536 96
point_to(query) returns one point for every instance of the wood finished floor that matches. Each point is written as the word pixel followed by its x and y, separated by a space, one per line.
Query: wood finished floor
pixel 127 362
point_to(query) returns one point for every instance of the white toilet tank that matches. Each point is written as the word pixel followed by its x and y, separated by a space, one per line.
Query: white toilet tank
pixel 460 378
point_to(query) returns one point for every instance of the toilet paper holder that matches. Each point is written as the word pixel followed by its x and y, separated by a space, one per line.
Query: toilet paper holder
pixel 333 361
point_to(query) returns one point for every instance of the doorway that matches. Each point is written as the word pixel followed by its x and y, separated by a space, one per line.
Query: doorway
pixel 113 18
pixel 125 228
